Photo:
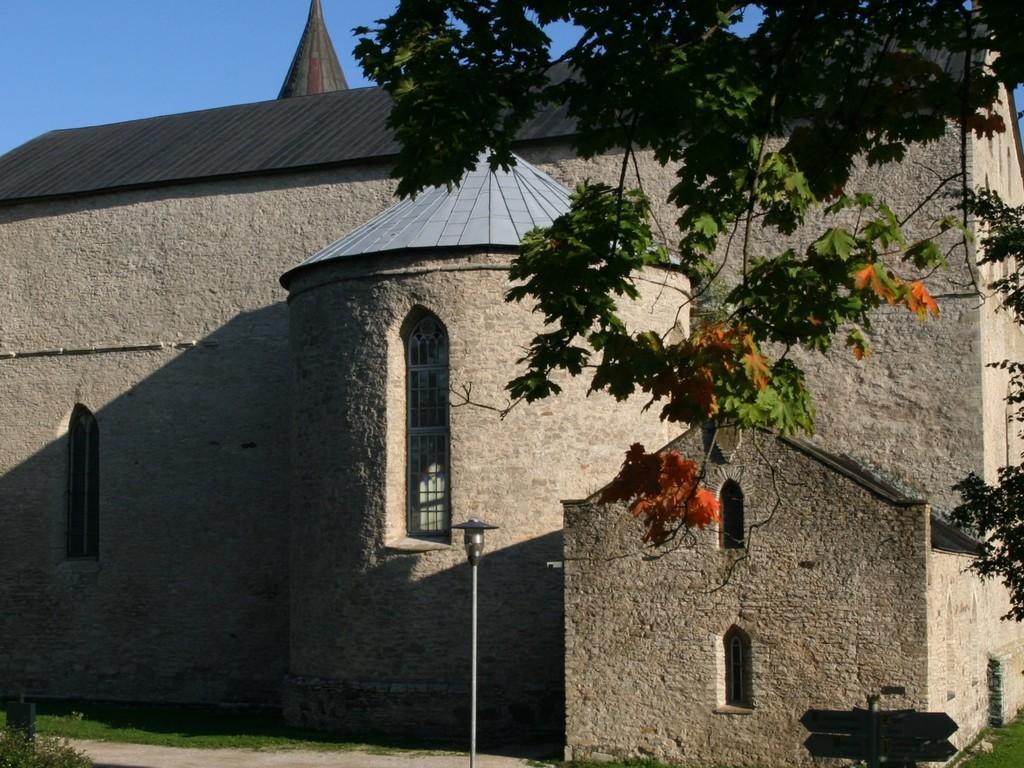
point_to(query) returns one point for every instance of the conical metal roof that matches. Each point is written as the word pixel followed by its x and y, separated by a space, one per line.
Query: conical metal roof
pixel 487 208
pixel 315 68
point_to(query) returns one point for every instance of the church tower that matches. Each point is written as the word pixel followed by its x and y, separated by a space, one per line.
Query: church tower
pixel 315 68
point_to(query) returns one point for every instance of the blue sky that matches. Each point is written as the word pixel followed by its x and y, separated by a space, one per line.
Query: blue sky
pixel 71 63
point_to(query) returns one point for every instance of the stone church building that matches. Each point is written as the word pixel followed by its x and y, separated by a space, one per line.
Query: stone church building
pixel 242 408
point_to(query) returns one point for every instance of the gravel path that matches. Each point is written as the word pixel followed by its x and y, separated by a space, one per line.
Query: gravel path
pixel 111 755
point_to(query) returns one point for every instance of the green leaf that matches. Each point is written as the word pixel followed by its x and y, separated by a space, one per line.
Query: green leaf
pixel 835 242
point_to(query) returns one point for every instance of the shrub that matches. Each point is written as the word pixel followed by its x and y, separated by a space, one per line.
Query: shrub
pixel 16 751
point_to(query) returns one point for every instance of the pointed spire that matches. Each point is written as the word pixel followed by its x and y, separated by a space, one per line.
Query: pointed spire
pixel 315 68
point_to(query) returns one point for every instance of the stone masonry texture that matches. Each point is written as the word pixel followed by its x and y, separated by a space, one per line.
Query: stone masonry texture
pixel 379 631
pixel 837 589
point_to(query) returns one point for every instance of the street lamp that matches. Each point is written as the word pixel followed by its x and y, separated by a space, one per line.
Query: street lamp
pixel 473 537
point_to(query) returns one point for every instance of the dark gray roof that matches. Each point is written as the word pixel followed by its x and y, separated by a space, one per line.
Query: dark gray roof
pixel 315 68
pixel 863 474
pixel 948 538
pixel 944 535
pixel 486 209
pixel 265 137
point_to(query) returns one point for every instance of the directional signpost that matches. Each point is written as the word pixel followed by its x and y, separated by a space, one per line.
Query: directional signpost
pixel 901 737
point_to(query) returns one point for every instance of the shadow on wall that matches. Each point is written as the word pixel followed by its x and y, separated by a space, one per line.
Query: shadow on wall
pixel 398 659
pixel 188 598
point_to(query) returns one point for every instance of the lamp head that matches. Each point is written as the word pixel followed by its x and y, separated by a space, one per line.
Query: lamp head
pixel 473 537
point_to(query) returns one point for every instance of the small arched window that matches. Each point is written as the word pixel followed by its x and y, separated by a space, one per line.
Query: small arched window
pixel 731 531
pixel 738 668
pixel 83 533
pixel 429 489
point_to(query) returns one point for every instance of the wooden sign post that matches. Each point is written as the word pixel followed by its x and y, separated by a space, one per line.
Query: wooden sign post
pixel 901 737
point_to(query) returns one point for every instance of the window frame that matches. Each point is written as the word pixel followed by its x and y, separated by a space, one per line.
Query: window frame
pixel 737 653
pixel 82 534
pixel 733 514
pixel 439 431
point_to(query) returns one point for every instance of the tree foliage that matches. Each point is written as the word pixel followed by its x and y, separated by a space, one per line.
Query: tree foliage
pixel 763 130
pixel 18 751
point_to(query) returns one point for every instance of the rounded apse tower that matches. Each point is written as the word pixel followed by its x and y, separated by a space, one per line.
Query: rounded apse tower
pixel 401 345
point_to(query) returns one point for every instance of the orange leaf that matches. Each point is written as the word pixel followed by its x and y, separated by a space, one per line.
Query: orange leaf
pixel 870 277
pixel 920 301
pixel 663 490
pixel 757 368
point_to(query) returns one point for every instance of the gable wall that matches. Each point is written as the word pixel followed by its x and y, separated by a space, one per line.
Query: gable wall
pixel 831 593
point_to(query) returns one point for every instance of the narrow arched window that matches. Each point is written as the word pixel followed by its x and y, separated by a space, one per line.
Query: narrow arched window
pixel 83 534
pixel 429 490
pixel 738 675
pixel 731 497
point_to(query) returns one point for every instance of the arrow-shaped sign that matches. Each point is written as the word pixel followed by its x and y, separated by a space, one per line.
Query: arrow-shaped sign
pixel 907 724
pixel 834 721
pixel 832 745
pixel 917 750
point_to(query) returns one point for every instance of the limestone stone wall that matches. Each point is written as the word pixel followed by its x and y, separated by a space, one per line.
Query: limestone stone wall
pixel 966 638
pixel 160 311
pixel 915 406
pixel 831 591
pixel 380 622
pixel 996 165
pixel 187 599
pixel 193 443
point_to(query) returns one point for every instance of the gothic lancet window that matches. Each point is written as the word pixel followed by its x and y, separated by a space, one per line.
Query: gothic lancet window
pixel 731 532
pixel 738 675
pixel 83 532
pixel 429 490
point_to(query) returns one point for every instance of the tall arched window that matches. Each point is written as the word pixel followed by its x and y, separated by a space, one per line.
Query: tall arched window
pixel 738 688
pixel 731 531
pixel 83 539
pixel 429 490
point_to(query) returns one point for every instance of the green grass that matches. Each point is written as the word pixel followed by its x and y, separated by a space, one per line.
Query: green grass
pixel 1008 752
pixel 1007 742
pixel 192 727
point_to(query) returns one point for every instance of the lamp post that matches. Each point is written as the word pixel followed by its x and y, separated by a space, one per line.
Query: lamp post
pixel 473 537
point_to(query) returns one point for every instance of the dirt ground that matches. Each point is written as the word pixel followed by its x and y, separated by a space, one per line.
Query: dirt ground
pixel 110 755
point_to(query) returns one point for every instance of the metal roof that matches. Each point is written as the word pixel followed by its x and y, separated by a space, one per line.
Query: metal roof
pixel 864 475
pixel 265 137
pixel 487 209
pixel 946 537
pixel 315 68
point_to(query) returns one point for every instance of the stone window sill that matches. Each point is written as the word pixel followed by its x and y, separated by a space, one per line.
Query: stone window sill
pixel 408 545
pixel 730 709
pixel 79 565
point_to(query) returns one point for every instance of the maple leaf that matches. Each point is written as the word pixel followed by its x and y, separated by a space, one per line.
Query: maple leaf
pixel 637 477
pixel 663 489
pixel 920 302
pixel 855 339
pixel 877 279
pixel 755 364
